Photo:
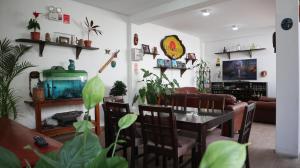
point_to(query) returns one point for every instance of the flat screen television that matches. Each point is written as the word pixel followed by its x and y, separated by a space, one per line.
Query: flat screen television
pixel 240 69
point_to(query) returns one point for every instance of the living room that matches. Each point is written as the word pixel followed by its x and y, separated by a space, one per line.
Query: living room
pixel 236 45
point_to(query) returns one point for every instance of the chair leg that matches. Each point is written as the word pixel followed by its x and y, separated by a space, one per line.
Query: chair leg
pixel 133 153
pixel 193 158
pixel 247 162
pixel 164 162
pixel 181 159
pixel 156 159
pixel 175 162
pixel 125 152
pixel 145 158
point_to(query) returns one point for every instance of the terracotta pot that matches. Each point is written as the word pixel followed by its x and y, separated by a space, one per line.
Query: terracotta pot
pixel 38 94
pixel 88 43
pixel 35 35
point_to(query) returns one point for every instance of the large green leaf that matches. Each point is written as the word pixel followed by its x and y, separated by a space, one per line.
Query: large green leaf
pixel 116 162
pixel 127 120
pixel 224 154
pixel 44 164
pixel 83 126
pixel 93 92
pixel 8 159
pixel 80 151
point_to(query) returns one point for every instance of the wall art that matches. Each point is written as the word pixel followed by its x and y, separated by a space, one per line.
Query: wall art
pixel 172 47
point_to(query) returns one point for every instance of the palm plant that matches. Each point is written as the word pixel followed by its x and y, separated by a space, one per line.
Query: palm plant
pixel 10 67
pixel 203 75
pixel 91 27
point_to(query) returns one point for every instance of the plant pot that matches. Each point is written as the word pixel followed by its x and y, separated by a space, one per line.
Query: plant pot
pixel 35 36
pixel 88 43
pixel 38 95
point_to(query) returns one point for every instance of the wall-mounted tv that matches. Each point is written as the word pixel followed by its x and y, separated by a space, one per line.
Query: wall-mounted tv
pixel 240 69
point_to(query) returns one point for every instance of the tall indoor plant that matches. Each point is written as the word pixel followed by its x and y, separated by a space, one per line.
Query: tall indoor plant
pixel 156 89
pixel 34 24
pixel 91 28
pixel 10 68
pixel 203 75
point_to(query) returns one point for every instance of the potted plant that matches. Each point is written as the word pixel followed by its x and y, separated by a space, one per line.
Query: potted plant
pixel 118 90
pixel 33 24
pixel 91 28
pixel 203 75
pixel 10 67
pixel 157 88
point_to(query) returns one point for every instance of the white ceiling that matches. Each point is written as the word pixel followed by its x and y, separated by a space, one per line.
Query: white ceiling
pixel 252 16
pixel 125 7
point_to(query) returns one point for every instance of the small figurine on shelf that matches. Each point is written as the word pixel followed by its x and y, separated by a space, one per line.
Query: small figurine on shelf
pixel 71 66
pixel 47 37
pixel 155 50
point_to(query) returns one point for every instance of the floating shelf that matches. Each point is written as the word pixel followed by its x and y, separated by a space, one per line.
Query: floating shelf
pixel 163 69
pixel 153 54
pixel 43 43
pixel 241 51
pixel 193 60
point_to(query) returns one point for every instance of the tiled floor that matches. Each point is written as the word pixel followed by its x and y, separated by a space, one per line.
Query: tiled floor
pixel 262 149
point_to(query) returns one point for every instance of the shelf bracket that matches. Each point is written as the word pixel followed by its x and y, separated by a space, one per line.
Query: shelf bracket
pixel 250 53
pixel 193 61
pixel 163 70
pixel 42 46
pixel 78 51
pixel 228 54
pixel 182 72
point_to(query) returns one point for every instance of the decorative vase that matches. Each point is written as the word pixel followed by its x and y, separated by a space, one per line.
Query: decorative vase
pixel 88 43
pixel 71 66
pixel 35 36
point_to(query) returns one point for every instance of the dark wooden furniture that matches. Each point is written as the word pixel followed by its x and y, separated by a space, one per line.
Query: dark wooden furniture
pixel 211 104
pixel 163 69
pixel 179 102
pixel 153 54
pixel 159 132
pixel 59 102
pixel 188 59
pixel 265 110
pixel 244 91
pixel 250 51
pixel 112 114
pixel 14 137
pixel 244 133
pixel 43 43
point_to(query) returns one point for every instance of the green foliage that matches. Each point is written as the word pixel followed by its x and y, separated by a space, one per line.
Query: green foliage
pixel 10 68
pixel 127 121
pixel 33 24
pixel 202 75
pixel 119 89
pixel 156 87
pixel 8 159
pixel 91 27
pixel 93 92
pixel 224 154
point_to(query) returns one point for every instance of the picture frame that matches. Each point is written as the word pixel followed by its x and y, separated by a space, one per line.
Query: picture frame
pixel 146 49
pixel 168 63
pixel 137 54
pixel 174 64
pixel 63 40
pixel 191 56
pixel 160 63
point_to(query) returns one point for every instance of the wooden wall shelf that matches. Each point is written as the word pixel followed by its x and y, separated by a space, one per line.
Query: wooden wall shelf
pixel 193 60
pixel 60 102
pixel 182 70
pixel 153 54
pixel 228 53
pixel 43 43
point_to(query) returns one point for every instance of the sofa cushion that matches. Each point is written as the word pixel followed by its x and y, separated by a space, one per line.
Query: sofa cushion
pixel 267 99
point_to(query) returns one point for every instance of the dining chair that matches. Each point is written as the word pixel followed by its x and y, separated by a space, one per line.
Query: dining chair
pixel 179 102
pixel 244 133
pixel 211 104
pixel 160 137
pixel 112 113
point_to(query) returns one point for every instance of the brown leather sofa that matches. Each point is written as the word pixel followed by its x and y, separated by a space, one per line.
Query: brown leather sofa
pixel 230 104
pixel 265 110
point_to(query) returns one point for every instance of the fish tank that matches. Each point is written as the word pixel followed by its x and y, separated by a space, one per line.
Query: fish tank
pixel 64 84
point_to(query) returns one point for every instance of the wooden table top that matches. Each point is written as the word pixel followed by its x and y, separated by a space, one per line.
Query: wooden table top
pixel 14 136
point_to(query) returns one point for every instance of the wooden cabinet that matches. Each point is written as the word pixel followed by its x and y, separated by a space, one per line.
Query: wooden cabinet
pixel 38 106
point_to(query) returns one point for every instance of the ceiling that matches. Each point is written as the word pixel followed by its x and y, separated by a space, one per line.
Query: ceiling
pixel 252 16
pixel 125 7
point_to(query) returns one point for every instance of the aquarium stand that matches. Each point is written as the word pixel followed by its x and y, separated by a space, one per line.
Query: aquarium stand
pixel 51 132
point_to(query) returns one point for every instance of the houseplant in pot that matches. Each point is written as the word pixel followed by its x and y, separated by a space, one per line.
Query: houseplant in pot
pixel 91 28
pixel 34 24
pixel 118 91
pixel 203 75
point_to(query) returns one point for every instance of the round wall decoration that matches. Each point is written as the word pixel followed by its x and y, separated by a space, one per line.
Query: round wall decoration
pixel 172 47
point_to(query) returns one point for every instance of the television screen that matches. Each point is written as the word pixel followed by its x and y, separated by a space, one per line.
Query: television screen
pixel 240 69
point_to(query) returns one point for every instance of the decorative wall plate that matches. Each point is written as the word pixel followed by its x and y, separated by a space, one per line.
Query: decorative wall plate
pixel 172 47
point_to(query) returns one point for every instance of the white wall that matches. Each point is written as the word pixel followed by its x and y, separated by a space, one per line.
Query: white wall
pixel 152 35
pixel 288 63
pixel 14 15
pixel 266 59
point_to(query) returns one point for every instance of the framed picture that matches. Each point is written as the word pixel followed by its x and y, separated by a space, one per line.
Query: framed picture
pixel 191 56
pixel 179 64
pixel 174 64
pixel 168 63
pixel 63 40
pixel 146 49
pixel 160 63
pixel 137 54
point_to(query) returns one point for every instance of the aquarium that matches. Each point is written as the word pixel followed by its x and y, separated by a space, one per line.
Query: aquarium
pixel 63 84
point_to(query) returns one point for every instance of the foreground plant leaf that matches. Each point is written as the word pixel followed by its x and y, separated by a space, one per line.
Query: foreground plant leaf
pixel 93 92
pixel 8 159
pixel 126 121
pixel 43 164
pixel 224 154
pixel 83 126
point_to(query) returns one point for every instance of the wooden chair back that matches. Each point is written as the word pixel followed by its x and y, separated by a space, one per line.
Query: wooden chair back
pixel 112 113
pixel 244 133
pixel 212 103
pixel 159 128
pixel 179 101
